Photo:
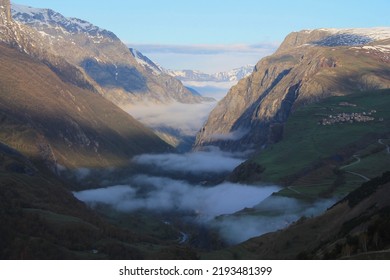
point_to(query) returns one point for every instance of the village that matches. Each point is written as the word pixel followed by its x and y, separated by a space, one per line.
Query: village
pixel 344 118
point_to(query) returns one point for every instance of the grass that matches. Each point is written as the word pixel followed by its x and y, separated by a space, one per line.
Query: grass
pixel 59 219
pixel 379 160
pixel 309 154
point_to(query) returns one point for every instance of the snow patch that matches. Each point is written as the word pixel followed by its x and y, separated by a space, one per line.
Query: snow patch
pixel 375 33
pixel 51 19
pixel 146 62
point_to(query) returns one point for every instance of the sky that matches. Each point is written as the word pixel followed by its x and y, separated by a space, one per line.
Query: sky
pixel 213 35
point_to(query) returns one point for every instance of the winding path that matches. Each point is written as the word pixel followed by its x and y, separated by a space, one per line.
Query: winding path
pixel 293 190
pixel 360 175
pixel 183 238
pixel 358 160
pixel 380 141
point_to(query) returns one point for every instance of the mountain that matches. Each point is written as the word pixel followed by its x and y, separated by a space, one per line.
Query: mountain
pixel 157 70
pixel 62 123
pixel 308 66
pixel 104 58
pixel 53 118
pixel 197 76
pixel 60 114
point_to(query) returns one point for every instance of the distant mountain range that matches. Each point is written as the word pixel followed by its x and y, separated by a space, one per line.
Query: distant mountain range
pixel 197 76
pixel 193 75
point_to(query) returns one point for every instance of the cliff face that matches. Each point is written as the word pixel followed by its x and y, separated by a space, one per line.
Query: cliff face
pixel 308 66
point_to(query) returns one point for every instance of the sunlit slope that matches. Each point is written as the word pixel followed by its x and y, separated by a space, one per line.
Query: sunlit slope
pixel 48 119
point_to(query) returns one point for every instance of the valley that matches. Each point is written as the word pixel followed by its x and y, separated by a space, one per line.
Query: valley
pixel 105 154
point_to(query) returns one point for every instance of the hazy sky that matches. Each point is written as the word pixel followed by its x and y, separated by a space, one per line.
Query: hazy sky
pixel 253 28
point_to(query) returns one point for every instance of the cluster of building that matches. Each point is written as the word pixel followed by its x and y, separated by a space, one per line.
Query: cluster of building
pixel 348 118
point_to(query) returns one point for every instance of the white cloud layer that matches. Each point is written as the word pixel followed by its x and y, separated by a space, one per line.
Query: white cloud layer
pixel 279 213
pixel 214 161
pixel 173 195
pixel 233 135
pixel 188 118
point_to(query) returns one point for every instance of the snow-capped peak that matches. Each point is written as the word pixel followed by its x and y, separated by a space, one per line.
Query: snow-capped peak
pixel 228 76
pixel 47 17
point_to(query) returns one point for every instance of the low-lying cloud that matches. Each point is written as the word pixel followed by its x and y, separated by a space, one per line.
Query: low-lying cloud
pixel 215 207
pixel 187 118
pixel 165 194
pixel 233 135
pixel 272 214
pixel 216 90
pixel 210 161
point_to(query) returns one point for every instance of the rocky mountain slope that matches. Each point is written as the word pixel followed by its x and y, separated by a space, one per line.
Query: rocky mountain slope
pixel 52 111
pixel 197 76
pixel 45 117
pixel 309 65
pixel 106 60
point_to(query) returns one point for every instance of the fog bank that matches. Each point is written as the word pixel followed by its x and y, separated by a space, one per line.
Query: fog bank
pixel 272 214
pixel 188 118
pixel 211 161
pixel 164 194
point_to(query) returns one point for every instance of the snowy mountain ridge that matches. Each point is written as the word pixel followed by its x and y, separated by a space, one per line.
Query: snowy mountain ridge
pixel 124 77
pixel 192 75
pixel 47 17
pixel 352 36
pixel 375 33
pixel 229 76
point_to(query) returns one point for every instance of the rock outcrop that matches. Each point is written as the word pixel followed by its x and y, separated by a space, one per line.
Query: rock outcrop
pixel 308 66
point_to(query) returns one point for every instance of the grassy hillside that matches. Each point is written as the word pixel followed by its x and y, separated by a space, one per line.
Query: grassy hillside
pixel 316 159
